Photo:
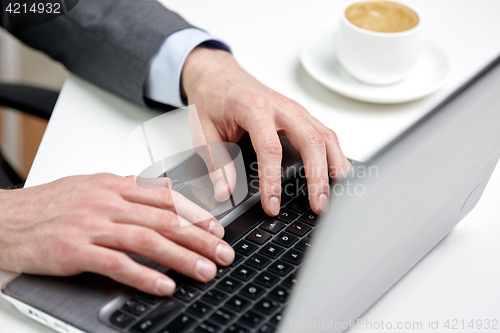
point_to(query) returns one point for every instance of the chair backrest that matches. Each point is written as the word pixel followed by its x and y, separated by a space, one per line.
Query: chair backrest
pixel 8 176
pixel 31 100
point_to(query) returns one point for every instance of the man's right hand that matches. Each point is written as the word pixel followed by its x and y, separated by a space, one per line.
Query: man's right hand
pixel 77 224
pixel 229 101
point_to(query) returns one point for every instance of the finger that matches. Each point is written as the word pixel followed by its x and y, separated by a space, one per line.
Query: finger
pixel 338 164
pixel 154 183
pixel 220 166
pixel 209 145
pixel 267 145
pixel 222 171
pixel 175 202
pixel 123 269
pixel 197 215
pixel 200 242
pixel 311 145
pixel 154 218
pixel 150 244
pixel 167 224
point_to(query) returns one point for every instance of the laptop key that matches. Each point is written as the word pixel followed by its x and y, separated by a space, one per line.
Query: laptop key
pixel 280 267
pixel 276 319
pixel 176 276
pixel 178 325
pixel 286 199
pixel 246 222
pixel 298 205
pixel 237 259
pixel 290 281
pixel 251 319
pixel 159 314
pixel 221 271
pixel 303 194
pixel 243 273
pixel 290 187
pixel 286 215
pixel 148 298
pixel 309 217
pixel 198 284
pixel 257 261
pixel 222 316
pixel 279 294
pixel 245 248
pixel 266 306
pixel 121 319
pixel 207 327
pixel 186 293
pixel 252 291
pixel 237 303
pixel 229 284
pixel 199 309
pixel 299 229
pixel 135 307
pixel 310 235
pixel 258 236
pixel 271 250
pixel 214 297
pixel 303 245
pixel 266 279
pixel 293 256
pixel 272 225
pixel 285 239
pixel 235 328
pixel 266 328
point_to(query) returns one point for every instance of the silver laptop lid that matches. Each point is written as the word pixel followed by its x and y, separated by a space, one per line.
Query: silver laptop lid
pixel 398 207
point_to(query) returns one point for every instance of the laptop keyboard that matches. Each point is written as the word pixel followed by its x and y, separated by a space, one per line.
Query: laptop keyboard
pixel 249 295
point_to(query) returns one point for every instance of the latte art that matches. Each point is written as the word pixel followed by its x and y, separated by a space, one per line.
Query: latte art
pixel 381 16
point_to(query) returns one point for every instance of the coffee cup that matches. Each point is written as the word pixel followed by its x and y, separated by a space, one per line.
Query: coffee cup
pixel 379 42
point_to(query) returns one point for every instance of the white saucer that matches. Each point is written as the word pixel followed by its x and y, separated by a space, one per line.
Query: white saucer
pixel 318 56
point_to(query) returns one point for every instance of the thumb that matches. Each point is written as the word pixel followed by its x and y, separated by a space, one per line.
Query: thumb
pixel 220 166
pixel 210 146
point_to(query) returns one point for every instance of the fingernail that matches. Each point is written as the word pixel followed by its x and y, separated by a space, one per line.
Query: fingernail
pixel 216 229
pixel 205 269
pixel 164 286
pixel 219 187
pixel 274 206
pixel 224 253
pixel 323 202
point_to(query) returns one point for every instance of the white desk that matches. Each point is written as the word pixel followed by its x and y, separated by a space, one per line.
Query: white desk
pixel 458 280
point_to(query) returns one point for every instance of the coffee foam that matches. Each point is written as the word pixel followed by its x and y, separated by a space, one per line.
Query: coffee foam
pixel 381 16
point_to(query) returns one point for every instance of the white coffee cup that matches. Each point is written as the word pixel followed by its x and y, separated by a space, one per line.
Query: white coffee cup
pixel 378 57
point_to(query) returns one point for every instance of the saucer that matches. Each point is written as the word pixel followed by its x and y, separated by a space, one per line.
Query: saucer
pixel 318 56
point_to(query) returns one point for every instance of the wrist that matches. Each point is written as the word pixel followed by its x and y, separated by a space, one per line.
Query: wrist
pixel 203 62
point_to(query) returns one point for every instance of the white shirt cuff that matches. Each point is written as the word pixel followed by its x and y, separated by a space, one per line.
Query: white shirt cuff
pixel 163 80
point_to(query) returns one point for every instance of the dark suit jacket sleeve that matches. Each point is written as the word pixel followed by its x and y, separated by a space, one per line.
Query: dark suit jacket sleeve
pixel 107 42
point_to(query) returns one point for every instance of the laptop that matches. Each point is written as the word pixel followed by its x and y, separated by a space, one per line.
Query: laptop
pixel 295 272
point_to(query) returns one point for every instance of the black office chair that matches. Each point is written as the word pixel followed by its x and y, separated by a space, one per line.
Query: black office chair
pixel 35 101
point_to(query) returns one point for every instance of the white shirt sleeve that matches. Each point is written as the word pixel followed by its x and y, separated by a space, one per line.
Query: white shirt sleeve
pixel 163 80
